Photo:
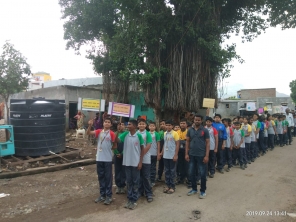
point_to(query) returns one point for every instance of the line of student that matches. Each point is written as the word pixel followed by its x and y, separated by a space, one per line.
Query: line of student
pixel 186 151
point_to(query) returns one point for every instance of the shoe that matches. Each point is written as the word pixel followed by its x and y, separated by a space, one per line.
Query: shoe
pixel 221 171
pixel 249 162
pixel 198 182
pixel 290 143
pixel 132 206
pixel 211 175
pixel 108 200
pixel 263 153
pixel 242 167
pixel 152 184
pixel 122 190
pixel 99 199
pixel 191 192
pixel 202 195
pixel 127 204
pixel 118 189
pixel 149 199
pixel 246 166
pixel 228 169
pixel 253 160
pixel 159 180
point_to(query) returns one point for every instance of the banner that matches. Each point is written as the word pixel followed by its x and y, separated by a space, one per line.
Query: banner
pixel 251 106
pixel 208 103
pixel 121 109
pixel 88 104
pixel 276 109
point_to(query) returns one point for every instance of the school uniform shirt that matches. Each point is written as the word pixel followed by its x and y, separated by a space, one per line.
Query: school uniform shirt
pixel 229 131
pixel 270 129
pixel 222 134
pixel 182 137
pixel 104 146
pixel 237 137
pixel 253 133
pixel 257 124
pixel 155 139
pixel 147 140
pixel 265 129
pixel 131 148
pixel 247 129
pixel 212 132
pixel 198 141
pixel 169 147
pixel 280 126
pixel 119 149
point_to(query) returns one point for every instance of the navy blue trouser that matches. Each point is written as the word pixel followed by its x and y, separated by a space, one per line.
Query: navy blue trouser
pixel 197 162
pixel 228 157
pixel 271 141
pixel 288 135
pixel 182 166
pixel 119 172
pixel 104 170
pixel 170 172
pixel 153 169
pixel 220 155
pixel 212 161
pixel 241 155
pixel 281 140
pixel 160 162
pixel 145 184
pixel 252 150
pixel 132 181
pixel 248 151
pixel 261 142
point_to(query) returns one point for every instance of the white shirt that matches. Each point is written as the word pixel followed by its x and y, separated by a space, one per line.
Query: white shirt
pixel 290 119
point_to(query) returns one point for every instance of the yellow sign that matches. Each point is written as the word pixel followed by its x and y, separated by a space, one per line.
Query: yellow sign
pixel 121 108
pixel 91 104
pixel 208 103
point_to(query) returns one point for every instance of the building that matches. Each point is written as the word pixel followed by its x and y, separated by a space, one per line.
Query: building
pixel 38 79
pixel 253 94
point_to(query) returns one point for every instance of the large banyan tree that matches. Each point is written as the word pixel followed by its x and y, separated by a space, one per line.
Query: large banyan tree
pixel 172 50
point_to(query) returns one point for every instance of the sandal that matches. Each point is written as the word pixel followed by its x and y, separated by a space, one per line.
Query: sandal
pixel 165 190
pixel 170 191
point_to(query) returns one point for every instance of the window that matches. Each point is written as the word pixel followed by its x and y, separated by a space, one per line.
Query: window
pixel 144 108
pixel 227 105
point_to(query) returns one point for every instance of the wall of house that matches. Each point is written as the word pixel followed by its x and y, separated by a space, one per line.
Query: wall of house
pixel 137 99
pixel 253 94
pixel 276 101
pixel 227 112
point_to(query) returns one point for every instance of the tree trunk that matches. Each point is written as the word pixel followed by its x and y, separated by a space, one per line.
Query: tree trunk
pixel 157 113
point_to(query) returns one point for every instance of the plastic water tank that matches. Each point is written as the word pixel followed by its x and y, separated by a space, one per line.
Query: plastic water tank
pixel 39 126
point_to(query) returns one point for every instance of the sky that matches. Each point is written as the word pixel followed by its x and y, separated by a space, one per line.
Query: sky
pixel 36 30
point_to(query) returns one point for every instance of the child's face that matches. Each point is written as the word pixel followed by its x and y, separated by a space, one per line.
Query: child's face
pixel 168 127
pixel 162 125
pixel 241 120
pixel 183 125
pixel 176 128
pixel 120 127
pixel 245 121
pixel 107 124
pixel 131 126
pixel 225 123
pixel 255 117
pixel 208 123
pixel 251 120
pixel 235 120
pixel 237 126
pixel 142 126
pixel 217 119
pixel 152 127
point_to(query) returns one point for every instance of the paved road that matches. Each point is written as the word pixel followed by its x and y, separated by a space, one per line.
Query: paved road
pixel 268 185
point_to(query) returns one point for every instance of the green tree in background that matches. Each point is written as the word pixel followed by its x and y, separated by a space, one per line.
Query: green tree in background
pixel 293 90
pixel 14 71
pixel 173 50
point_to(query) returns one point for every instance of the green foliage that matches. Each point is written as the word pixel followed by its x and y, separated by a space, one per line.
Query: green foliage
pixel 293 90
pixel 14 71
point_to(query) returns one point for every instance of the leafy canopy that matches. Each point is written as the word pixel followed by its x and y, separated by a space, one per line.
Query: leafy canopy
pixel 293 90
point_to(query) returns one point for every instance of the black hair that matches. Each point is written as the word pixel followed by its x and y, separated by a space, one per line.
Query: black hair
pixel 256 114
pixel 218 115
pixel 229 120
pixel 236 123
pixel 108 119
pixel 246 117
pixel 240 117
pixel 142 121
pixel 209 119
pixel 152 123
pixel 200 116
pixel 234 118
pixel 183 120
pixel 133 122
pixel 162 120
pixel 169 122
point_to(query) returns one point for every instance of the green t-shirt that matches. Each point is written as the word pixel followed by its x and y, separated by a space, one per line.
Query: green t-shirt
pixel 161 134
pixel 119 145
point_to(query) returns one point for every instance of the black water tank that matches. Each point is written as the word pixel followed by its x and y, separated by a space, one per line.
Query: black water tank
pixel 39 126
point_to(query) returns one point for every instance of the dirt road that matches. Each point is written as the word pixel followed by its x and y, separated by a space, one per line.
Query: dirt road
pixel 267 186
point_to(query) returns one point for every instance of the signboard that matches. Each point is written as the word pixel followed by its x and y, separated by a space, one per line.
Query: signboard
pixel 251 106
pixel 91 104
pixel 208 103
pixel 121 109
pixel 276 109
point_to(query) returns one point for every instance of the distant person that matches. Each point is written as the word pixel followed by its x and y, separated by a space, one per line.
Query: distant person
pixel 213 133
pixel 98 123
pixel 239 150
pixel 155 148
pixel 71 124
pixel 160 153
pixel 290 127
pixel 79 117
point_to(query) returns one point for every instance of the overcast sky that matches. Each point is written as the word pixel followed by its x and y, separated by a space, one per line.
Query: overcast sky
pixel 36 29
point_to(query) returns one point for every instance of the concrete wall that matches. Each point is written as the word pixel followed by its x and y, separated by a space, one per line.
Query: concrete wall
pixel 137 99
pixel 276 101
pixel 253 94
pixel 233 109
pixel 82 82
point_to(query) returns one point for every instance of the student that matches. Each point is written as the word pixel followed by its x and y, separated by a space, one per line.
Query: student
pixel 257 125
pixel 229 143
pixel 160 157
pixel 280 129
pixel 197 154
pixel 170 156
pixel 271 131
pixel 253 154
pixel 238 143
pixel 213 133
pixel 133 150
pixel 235 119
pixel 247 138
pixel 294 133
pixel 222 137
pixel 145 183
pixel 119 168
pixel 241 120
pixel 104 159
pixel 266 125
pixel 261 135
pixel 176 128
pixel 285 135
pixel 155 146
pixel 182 166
